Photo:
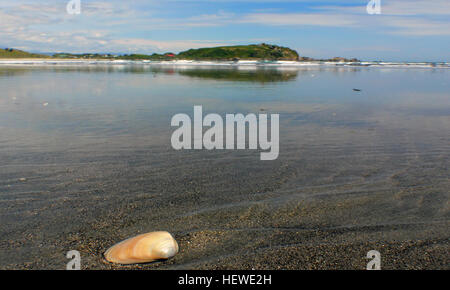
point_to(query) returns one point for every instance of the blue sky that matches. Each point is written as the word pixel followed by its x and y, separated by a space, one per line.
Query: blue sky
pixel 406 30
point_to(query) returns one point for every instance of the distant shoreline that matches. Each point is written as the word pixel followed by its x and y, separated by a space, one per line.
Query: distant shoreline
pixel 278 63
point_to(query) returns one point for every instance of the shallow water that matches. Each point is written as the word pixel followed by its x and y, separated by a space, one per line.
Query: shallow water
pixel 86 160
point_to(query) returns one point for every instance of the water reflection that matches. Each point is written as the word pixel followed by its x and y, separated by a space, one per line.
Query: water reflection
pixel 132 98
pixel 223 73
pixel 235 74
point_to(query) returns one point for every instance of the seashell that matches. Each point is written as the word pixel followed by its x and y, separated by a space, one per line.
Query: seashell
pixel 143 248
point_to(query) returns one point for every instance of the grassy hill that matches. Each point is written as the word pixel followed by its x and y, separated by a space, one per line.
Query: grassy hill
pixel 15 53
pixel 250 52
pixel 238 52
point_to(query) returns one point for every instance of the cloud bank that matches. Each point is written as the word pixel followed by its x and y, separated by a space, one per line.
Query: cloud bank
pixel 156 26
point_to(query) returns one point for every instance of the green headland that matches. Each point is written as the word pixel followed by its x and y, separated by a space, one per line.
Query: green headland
pixel 16 53
pixel 260 52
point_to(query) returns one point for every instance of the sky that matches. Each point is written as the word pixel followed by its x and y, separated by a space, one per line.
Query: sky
pixel 406 30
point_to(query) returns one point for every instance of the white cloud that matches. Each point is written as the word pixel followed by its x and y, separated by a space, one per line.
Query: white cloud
pixel 409 23
pixel 416 7
pixel 137 44
pixel 417 26
pixel 395 7
pixel 314 19
pixel 104 26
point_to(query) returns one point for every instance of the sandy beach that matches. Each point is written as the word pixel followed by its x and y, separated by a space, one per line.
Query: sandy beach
pixel 357 171
pixel 225 135
pixel 266 220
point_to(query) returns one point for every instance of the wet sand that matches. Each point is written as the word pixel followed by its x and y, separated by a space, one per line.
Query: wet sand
pixel 341 187
pixel 323 206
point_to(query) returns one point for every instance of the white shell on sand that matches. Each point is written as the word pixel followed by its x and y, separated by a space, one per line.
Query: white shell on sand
pixel 143 249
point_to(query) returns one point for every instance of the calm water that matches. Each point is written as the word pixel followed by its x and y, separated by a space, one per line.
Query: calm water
pixel 74 103
pixel 85 154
